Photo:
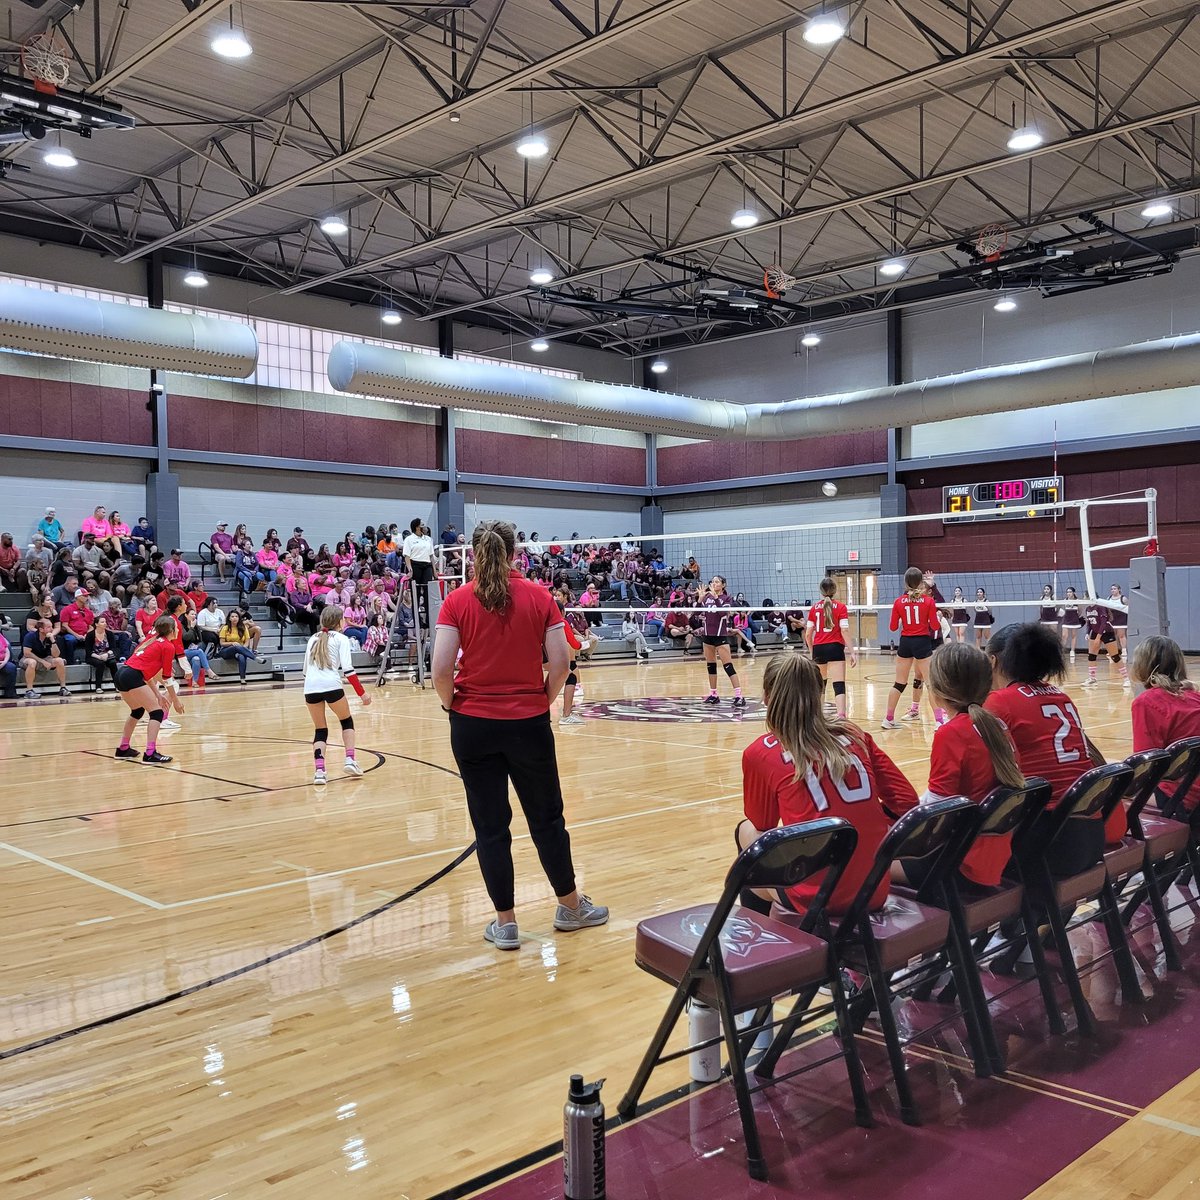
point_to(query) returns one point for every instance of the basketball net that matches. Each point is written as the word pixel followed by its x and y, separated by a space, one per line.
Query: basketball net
pixel 45 61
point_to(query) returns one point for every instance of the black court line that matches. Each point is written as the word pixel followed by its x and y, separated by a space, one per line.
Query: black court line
pixel 237 972
pixel 251 787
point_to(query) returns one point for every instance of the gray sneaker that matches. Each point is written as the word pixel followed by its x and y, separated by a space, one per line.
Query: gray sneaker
pixel 503 937
pixel 567 920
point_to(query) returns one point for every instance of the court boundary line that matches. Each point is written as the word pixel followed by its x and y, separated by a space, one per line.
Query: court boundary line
pixel 245 969
pixel 100 883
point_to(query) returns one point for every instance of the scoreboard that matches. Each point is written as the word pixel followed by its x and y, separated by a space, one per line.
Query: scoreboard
pixel 1004 500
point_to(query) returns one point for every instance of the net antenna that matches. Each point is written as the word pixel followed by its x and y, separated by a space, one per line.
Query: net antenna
pixel 777 281
pixel 45 60
pixel 991 242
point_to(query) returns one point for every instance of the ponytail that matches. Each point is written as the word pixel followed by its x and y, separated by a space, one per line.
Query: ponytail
pixel 995 738
pixel 828 590
pixel 493 543
pixel 319 652
pixel 1158 662
pixel 913 579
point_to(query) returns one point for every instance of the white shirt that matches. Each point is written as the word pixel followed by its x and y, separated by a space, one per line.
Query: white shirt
pixel 535 548
pixel 210 620
pixel 418 548
pixel 322 679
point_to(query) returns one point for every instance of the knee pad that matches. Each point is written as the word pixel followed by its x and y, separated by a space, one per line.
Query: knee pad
pixel 712 669
pixel 346 722
pixel 137 713
pixel 321 735
pixel 839 687
pixel 730 670
pixel 157 714
pixel 1092 657
pixel 898 688
pixel 572 679
pixel 918 684
pixel 1116 658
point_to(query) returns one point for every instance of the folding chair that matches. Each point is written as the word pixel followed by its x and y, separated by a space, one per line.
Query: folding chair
pixel 736 960
pixel 976 912
pixel 1090 798
pixel 882 943
pixel 1176 807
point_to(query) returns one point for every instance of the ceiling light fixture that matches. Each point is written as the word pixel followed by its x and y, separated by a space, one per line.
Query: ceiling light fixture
pixel 541 276
pixel 893 267
pixel 824 29
pixel 231 42
pixel 390 316
pixel 533 145
pixel 59 156
pixel 334 225
pixel 455 117
pixel 1028 137
pixel 809 340
pixel 659 367
pixel 744 218
pixel 195 278
pixel 1006 304
pixel 1152 212
pixel 540 346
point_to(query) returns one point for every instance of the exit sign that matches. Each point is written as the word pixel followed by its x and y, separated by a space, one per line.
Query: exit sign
pixel 852 556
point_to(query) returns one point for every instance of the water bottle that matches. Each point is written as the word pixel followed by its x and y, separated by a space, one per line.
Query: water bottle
pixel 704 1024
pixel 583 1141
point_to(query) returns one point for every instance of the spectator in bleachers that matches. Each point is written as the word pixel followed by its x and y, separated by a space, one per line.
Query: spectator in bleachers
pixel 99 592
pixel 76 619
pixel 41 654
pixel 193 645
pixel 252 629
pixel 124 576
pixel 298 545
pixel 209 619
pixel 268 559
pixel 356 620
pixel 241 534
pixel 99 526
pixel 176 571
pixel 343 555
pixel 43 608
pixel 386 544
pixel 301 603
pixel 88 556
pixel 51 528
pixel 235 643
pixel 38 559
pixel 8 671
pixel 12 575
pixel 144 618
pixel 377 637
pixel 591 599
pixel 138 596
pixel 124 544
pixel 323 559
pixel 272 540
pixel 118 629
pixel 246 570
pixel 100 653
pixel 64 594
pixel 142 536
pixel 222 546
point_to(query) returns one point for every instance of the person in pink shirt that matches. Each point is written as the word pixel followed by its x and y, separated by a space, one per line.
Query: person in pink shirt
pixel 343 556
pixel 98 526
pixel 222 545
pixel 268 560
pixel 356 622
pixel 122 535
pixel 176 570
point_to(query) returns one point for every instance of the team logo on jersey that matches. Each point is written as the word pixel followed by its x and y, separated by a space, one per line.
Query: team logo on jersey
pixel 740 937
pixel 678 709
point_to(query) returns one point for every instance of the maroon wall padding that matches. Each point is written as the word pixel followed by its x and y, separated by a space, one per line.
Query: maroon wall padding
pixel 1173 470
pixel 482 451
pixel 699 462
pixel 198 423
pixel 56 408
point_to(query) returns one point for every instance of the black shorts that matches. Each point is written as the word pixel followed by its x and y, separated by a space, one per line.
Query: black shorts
pixel 129 679
pixel 422 572
pixel 917 871
pixel 829 652
pixel 1106 638
pixel 984 620
pixel 710 639
pixel 920 647
pixel 325 697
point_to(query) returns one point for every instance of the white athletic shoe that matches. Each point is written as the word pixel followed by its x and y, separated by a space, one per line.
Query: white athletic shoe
pixel 1090 681
pixel 573 719
pixel 170 725
pixel 891 724
pixel 319 778
pixel 1126 684
pixel 1072 655
pixel 913 714
pixel 352 768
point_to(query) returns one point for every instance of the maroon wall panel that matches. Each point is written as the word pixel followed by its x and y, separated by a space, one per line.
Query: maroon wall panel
pixel 485 452
pixel 700 462
pixel 56 408
pixel 200 423
pixel 1174 471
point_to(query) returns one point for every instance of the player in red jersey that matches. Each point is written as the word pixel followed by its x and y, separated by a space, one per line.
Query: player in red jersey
pixel 1102 639
pixel 806 767
pixel 971 754
pixel 137 680
pixel 825 633
pixel 570 717
pixel 915 615
pixel 1169 708
pixel 1047 731
pixel 716 601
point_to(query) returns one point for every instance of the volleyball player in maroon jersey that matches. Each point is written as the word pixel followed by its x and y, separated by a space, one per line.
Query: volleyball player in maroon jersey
pixel 828 621
pixel 915 615
pixel 715 640
pixel 1102 639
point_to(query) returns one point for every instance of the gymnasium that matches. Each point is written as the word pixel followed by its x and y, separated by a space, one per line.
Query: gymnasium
pixel 761 432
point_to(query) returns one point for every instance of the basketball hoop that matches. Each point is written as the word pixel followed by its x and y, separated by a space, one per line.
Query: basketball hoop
pixel 777 281
pixel 991 241
pixel 44 59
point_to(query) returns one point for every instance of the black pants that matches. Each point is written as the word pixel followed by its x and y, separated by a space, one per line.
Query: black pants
pixel 99 666
pixel 489 754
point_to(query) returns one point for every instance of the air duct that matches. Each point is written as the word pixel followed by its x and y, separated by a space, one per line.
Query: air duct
pixel 108 332
pixel 403 375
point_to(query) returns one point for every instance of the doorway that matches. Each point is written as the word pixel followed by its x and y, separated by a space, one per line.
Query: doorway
pixel 859 586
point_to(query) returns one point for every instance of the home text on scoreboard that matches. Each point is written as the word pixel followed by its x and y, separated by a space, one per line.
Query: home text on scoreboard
pixel 1005 499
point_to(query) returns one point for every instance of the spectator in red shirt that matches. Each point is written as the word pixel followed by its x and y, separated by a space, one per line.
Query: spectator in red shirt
pixel 499 706
pixel 76 619
pixel 808 766
pixel 11 573
pixel 1169 708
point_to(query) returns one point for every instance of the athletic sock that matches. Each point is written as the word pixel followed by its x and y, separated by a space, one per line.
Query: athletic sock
pixel 150 747
pixel 1091 672
pixel 737 691
pixel 350 754
pixel 319 763
pixel 124 744
pixel 712 691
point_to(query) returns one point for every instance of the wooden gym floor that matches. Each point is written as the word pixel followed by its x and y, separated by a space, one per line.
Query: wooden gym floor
pixel 218 980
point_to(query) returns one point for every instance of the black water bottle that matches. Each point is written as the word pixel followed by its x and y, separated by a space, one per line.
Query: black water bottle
pixel 583 1141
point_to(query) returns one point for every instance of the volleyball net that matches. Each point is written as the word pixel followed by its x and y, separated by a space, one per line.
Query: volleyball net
pixel 1014 563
